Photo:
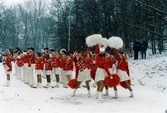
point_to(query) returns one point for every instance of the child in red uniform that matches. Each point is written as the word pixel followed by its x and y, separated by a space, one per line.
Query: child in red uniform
pixel 123 72
pixel 110 61
pixel 101 72
pixel 48 71
pixel 39 66
pixel 56 67
pixel 82 72
pixel 8 65
pixel 68 66
pixel 31 65
pixel 19 64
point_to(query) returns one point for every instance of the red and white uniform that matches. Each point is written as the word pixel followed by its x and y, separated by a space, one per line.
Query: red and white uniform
pixel 122 66
pixel 31 59
pixel 110 61
pixel 39 66
pixel 19 64
pixel 102 68
pixel 48 67
pixel 82 72
pixel 68 65
pixel 55 62
pixel 8 63
pixel 31 66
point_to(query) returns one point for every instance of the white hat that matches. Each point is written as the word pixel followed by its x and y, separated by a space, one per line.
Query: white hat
pixel 101 48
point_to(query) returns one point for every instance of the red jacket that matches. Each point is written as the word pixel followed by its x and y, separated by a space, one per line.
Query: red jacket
pixel 48 66
pixel 61 62
pixel 55 62
pixel 80 66
pixel 102 63
pixel 39 65
pixel 24 58
pixel 68 64
pixel 19 61
pixel 122 64
pixel 110 61
pixel 31 58
pixel 8 61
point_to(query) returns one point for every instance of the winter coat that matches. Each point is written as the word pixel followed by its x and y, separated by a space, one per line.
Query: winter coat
pixel 144 46
pixel 136 46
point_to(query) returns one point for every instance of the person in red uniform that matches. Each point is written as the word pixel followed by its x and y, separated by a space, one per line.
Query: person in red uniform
pixel 24 59
pixel 123 72
pixel 19 64
pixel 82 72
pixel 39 67
pixel 93 69
pixel 48 71
pixel 56 67
pixel 89 62
pixel 63 78
pixel 8 65
pixel 110 61
pixel 101 72
pixel 68 66
pixel 31 65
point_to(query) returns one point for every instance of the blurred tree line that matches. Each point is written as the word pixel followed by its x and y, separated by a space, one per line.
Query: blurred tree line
pixel 58 23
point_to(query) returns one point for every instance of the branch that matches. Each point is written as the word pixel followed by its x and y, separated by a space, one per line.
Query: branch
pixel 151 7
pixel 142 28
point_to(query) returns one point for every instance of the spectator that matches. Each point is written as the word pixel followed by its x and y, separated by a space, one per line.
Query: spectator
pixel 144 46
pixel 136 49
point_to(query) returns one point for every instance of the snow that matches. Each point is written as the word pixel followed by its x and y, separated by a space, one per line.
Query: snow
pixel 149 83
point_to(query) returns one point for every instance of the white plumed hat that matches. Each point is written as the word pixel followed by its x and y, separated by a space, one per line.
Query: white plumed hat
pixel 94 39
pixel 104 41
pixel 103 44
pixel 115 42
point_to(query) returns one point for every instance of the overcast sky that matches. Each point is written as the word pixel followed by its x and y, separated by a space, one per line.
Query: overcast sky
pixel 9 2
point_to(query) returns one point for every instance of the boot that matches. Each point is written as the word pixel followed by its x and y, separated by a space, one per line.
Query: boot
pixel 57 85
pixel 89 95
pixel 94 84
pixel 39 85
pixel 74 91
pixel 47 85
pixel 116 94
pixel 131 94
pixel 7 83
pixel 107 93
pixel 100 96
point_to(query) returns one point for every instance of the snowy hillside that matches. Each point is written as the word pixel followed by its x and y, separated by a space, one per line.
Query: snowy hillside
pixel 149 82
pixel 151 73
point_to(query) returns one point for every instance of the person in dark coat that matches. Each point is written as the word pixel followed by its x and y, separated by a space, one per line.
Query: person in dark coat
pixel 136 49
pixel 144 46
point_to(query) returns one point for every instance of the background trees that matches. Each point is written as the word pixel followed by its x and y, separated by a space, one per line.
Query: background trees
pixel 58 23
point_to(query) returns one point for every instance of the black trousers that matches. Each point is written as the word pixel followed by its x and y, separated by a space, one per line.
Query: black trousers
pixel 136 55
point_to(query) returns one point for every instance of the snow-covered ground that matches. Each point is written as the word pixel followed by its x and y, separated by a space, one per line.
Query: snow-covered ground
pixel 149 82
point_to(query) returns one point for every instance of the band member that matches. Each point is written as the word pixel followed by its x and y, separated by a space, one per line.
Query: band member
pixel 8 65
pixel 68 66
pixel 48 71
pixel 39 67
pixel 31 65
pixel 19 63
pixel 101 72
pixel 110 61
pixel 82 72
pixel 123 72
pixel 56 67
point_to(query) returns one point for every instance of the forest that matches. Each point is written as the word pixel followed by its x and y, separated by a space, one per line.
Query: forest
pixel 66 23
